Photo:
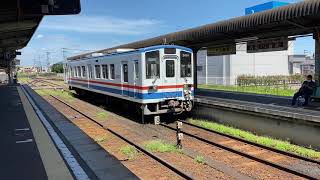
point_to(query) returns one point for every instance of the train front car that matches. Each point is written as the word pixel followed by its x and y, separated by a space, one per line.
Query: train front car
pixel 168 76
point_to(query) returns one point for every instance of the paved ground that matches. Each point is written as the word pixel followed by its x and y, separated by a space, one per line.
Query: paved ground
pixel 27 150
pixel 265 99
pixel 20 158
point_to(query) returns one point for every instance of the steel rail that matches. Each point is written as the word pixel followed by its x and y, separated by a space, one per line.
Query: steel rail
pixel 255 144
pixel 263 161
pixel 140 148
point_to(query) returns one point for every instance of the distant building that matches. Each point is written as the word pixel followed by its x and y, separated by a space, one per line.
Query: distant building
pixel 28 69
pixel 301 64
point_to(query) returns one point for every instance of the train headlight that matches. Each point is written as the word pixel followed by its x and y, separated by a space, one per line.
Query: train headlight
pixel 153 88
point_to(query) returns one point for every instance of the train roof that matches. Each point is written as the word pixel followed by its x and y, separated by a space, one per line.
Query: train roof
pixel 131 51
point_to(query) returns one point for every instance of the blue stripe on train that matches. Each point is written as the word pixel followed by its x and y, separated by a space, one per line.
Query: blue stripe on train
pixel 158 95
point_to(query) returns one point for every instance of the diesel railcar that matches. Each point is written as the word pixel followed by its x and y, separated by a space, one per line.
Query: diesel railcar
pixel 157 79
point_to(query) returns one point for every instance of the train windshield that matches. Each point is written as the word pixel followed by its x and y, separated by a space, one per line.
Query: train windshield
pixel 185 64
pixel 152 65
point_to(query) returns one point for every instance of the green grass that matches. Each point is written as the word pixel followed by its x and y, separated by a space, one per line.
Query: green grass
pixel 130 151
pixel 66 95
pixel 267 141
pixel 24 80
pixel 200 159
pixel 101 138
pixel 160 146
pixel 278 91
pixel 102 116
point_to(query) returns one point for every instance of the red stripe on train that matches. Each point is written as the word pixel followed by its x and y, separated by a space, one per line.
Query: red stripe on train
pixel 128 86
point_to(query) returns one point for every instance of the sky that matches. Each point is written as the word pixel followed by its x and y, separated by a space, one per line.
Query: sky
pixel 107 23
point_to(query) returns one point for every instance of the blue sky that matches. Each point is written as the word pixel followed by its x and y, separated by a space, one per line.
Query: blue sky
pixel 106 23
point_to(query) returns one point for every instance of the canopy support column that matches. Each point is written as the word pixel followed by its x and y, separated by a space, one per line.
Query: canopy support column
pixel 316 37
pixel 195 68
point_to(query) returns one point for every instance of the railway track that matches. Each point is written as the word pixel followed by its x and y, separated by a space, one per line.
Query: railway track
pixel 196 134
pixel 41 83
pixel 137 146
pixel 278 166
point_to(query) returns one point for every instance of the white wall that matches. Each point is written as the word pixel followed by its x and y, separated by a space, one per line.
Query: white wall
pixel 225 69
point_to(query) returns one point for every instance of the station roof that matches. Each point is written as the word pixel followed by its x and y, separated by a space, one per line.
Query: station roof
pixel 15 30
pixel 295 19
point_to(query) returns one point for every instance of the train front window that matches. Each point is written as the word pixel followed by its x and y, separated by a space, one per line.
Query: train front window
pixel 170 68
pixel 152 64
pixel 186 69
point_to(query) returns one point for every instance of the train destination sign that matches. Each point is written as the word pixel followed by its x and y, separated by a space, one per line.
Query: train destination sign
pixel 222 50
pixel 267 45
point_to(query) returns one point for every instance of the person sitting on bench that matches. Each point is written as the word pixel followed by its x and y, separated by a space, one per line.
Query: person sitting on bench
pixel 306 91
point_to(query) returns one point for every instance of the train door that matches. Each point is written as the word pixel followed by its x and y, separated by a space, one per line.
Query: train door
pixel 136 70
pixel 125 79
pixel 67 73
pixel 170 77
pixel 89 75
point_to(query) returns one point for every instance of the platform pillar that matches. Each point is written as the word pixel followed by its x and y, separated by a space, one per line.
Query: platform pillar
pixel 316 37
pixel 195 67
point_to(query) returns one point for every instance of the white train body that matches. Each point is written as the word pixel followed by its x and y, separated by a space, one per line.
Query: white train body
pixel 158 78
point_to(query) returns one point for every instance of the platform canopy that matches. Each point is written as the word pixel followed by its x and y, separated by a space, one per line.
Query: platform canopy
pixel 19 20
pixel 15 30
pixel 295 19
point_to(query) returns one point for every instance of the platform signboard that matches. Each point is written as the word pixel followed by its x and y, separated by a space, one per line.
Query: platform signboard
pixel 51 7
pixel 16 62
pixel 221 50
pixel 267 45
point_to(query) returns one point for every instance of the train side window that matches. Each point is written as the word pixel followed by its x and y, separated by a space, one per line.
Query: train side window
pixel 84 73
pixel 90 71
pixel 79 71
pixel 185 64
pixel 170 68
pixel 112 72
pixel 105 71
pixel 152 64
pixel 136 70
pixel 98 71
pixel 125 72
pixel 71 71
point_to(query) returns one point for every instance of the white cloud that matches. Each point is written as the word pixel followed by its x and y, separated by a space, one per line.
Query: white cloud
pixel 100 24
pixel 39 36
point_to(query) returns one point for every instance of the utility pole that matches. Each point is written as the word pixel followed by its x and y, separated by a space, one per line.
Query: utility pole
pixel 48 60
pixel 64 56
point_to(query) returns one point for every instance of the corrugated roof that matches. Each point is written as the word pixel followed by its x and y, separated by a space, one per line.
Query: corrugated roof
pixel 294 19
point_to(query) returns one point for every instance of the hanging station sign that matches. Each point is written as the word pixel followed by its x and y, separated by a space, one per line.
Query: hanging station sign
pixel 267 45
pixel 220 50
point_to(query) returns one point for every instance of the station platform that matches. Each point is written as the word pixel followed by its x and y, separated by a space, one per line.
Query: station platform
pixel 27 152
pixel 38 142
pixel 269 104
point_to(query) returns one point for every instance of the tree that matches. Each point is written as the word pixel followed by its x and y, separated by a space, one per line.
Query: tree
pixel 57 68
